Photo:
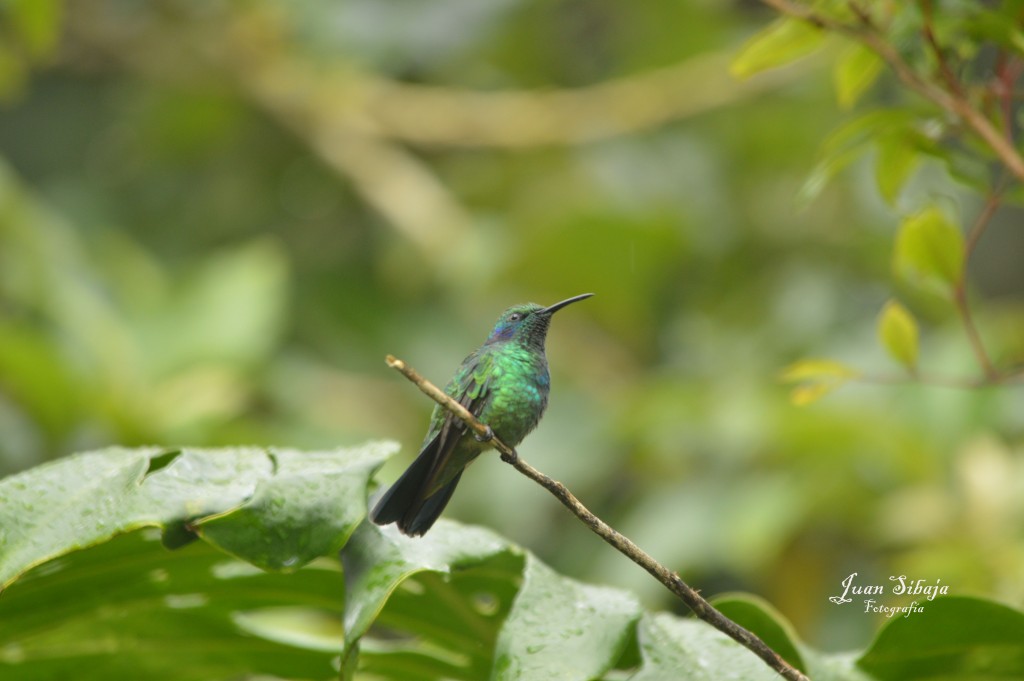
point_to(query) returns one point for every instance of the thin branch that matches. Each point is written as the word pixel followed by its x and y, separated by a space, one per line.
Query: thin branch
pixel 952 382
pixel 453 117
pixel 960 290
pixel 921 379
pixel 1002 88
pixel 700 607
pixel 258 44
pixel 940 57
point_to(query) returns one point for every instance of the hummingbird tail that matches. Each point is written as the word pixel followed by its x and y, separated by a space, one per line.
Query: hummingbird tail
pixel 404 502
pixel 420 518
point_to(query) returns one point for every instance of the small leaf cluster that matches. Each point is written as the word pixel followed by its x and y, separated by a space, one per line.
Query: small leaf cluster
pixel 928 255
pixel 957 56
pixel 964 72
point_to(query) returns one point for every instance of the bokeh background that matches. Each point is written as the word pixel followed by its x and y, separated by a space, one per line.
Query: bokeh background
pixel 216 218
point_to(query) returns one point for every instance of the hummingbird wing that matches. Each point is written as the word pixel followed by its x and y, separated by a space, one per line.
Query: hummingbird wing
pixel 470 388
pixel 419 496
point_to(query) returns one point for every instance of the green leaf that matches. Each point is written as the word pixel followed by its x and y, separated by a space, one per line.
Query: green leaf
pixel 897 329
pixel 88 498
pixel 814 369
pixel 306 509
pixel 815 378
pixel 896 159
pixel 379 563
pixel 130 609
pixel 848 143
pixel 674 648
pixel 758 616
pixel 562 629
pixel 823 172
pixel 783 41
pixel 967 639
pixel 855 71
pixel 929 250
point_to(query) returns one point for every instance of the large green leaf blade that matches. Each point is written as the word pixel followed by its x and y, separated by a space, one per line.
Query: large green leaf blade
pixel 956 637
pixel 414 578
pixel 85 499
pixel 757 616
pixel 562 629
pixel 129 608
pixel 450 621
pixel 674 648
pixel 306 509
pixel 34 523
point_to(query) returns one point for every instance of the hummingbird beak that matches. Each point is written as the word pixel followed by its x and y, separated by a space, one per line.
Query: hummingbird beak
pixel 551 309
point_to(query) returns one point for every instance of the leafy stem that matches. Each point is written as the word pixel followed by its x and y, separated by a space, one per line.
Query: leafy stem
pixel 672 581
pixel 990 121
pixel 955 102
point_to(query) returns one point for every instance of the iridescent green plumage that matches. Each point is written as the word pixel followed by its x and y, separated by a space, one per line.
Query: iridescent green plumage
pixel 505 384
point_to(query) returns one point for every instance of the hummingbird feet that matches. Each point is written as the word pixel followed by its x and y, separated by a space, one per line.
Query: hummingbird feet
pixel 486 437
pixel 511 457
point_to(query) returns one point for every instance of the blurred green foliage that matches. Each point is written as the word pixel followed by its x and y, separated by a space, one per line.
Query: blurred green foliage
pixel 216 218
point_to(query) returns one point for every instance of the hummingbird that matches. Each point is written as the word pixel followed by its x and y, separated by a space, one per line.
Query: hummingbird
pixel 505 385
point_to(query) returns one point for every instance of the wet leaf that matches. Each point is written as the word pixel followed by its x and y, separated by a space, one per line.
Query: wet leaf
pixel 306 509
pixel 562 629
pixel 86 499
pixel 938 643
pixel 130 609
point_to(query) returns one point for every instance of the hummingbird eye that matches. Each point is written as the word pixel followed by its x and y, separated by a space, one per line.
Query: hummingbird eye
pixel 515 316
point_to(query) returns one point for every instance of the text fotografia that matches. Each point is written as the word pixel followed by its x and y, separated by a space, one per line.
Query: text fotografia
pixel 902 586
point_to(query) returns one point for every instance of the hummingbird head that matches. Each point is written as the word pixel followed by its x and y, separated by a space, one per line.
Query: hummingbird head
pixel 528 323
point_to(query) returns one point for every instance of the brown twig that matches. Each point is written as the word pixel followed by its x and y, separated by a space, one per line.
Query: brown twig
pixel 952 83
pixel 960 290
pixel 991 203
pixel 1003 90
pixel 951 382
pixel 700 607
pixel 921 379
